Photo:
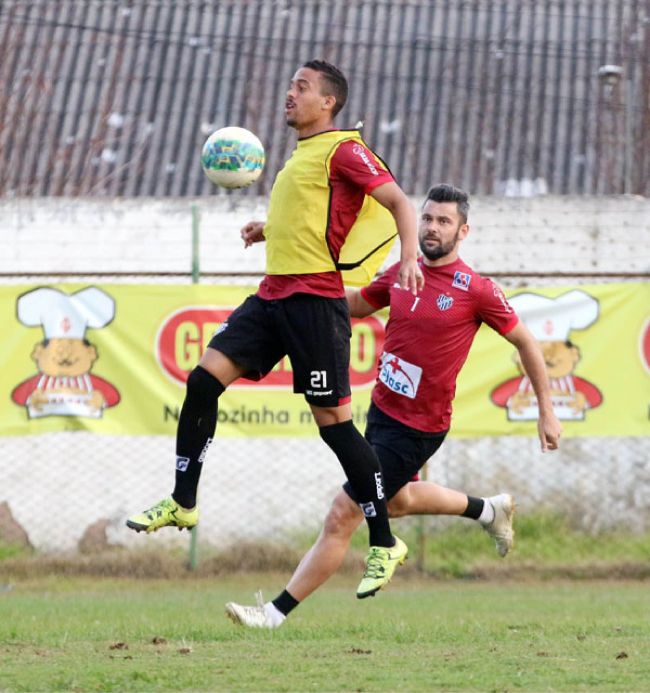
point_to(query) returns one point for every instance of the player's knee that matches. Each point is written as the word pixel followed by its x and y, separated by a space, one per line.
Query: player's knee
pixel 343 516
pixel 203 388
pixel 398 505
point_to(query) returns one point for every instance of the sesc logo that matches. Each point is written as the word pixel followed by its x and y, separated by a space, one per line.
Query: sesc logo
pixel 185 334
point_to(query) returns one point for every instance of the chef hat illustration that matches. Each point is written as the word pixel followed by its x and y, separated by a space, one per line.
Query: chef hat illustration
pixel 552 319
pixel 63 315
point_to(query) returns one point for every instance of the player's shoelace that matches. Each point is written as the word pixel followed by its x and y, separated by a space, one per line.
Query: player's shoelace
pixel 156 511
pixel 375 567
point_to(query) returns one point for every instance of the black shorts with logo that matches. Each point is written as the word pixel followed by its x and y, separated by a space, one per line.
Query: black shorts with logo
pixel 402 450
pixel 313 331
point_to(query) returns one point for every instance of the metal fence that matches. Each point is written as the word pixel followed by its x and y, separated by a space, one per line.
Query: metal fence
pixel 59 485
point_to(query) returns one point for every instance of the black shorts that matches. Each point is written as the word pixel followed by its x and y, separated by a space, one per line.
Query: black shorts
pixel 313 331
pixel 402 450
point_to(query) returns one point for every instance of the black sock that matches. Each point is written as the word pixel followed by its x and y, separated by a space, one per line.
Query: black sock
pixel 474 507
pixel 196 426
pixel 285 603
pixel 361 466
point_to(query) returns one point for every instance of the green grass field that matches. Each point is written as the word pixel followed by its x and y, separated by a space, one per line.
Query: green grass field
pixel 101 634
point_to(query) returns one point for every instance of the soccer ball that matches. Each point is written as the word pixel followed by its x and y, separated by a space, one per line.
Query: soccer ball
pixel 232 157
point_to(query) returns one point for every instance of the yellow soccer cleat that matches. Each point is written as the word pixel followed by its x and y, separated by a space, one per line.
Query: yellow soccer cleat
pixel 380 566
pixel 167 513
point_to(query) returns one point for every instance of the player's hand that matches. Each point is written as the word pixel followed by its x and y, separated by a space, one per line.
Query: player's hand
pixel 410 276
pixel 253 232
pixel 550 430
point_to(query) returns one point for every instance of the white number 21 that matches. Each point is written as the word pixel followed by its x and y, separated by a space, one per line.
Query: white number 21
pixel 318 379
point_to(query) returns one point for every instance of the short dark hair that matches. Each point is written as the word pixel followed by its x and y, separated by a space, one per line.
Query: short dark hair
pixel 448 193
pixel 334 81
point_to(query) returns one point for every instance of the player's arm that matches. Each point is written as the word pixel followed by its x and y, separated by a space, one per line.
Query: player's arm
pixel 548 425
pixel 253 232
pixel 391 196
pixel 359 307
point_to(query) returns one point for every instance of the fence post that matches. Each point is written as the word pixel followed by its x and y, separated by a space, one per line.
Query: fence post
pixel 421 529
pixel 196 272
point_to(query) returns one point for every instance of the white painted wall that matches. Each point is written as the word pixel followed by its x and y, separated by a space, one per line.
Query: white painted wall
pixel 535 235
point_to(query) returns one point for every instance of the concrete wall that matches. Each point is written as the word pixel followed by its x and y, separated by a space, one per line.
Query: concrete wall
pixel 542 235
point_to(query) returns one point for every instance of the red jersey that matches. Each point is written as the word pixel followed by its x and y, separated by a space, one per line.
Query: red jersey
pixel 428 337
pixel 354 173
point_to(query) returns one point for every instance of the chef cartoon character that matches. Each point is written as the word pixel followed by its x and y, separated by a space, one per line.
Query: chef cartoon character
pixel 551 320
pixel 64 385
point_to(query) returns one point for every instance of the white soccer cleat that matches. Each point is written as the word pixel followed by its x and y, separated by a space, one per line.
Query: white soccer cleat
pixel 250 616
pixel 500 529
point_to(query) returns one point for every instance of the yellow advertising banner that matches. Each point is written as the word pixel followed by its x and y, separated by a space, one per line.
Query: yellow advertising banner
pixel 114 358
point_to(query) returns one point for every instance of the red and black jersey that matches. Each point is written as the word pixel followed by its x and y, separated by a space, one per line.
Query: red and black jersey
pixel 428 338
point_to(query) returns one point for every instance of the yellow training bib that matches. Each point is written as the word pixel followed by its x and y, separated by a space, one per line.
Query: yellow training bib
pixel 298 218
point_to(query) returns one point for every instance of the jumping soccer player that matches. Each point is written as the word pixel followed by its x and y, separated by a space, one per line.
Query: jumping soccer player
pixel 333 205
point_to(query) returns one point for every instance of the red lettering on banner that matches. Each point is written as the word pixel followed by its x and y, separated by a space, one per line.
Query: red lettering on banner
pixel 185 334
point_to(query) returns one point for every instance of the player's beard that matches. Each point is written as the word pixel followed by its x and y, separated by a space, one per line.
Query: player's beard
pixel 440 250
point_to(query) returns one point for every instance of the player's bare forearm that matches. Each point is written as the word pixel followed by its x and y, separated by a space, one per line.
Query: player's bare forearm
pixel 391 196
pixel 359 307
pixel 548 425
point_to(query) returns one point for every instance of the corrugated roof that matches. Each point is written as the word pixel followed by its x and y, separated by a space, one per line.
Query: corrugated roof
pixel 117 97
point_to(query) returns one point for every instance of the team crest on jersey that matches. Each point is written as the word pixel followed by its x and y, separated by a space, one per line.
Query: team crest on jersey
pixel 444 302
pixel 461 280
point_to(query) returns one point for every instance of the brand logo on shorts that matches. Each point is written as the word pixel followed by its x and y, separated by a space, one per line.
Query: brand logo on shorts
pixel 368 509
pixel 182 463
pixel 444 302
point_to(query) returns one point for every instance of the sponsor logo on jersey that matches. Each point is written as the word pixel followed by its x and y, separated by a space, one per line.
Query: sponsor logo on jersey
pixel 499 294
pixel 461 280
pixel 444 302
pixel 361 153
pixel 399 375
pixel 182 463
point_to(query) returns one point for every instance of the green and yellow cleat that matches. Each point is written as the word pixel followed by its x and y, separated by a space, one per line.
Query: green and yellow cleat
pixel 167 513
pixel 380 566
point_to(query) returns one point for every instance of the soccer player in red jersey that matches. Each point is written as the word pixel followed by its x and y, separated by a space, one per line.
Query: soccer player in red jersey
pixel 428 338
pixel 333 206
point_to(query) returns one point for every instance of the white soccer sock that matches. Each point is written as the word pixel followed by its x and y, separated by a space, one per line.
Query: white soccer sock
pixel 487 514
pixel 275 616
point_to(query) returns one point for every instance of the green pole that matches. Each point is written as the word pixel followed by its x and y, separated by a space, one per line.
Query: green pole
pixel 196 219
pixel 421 530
